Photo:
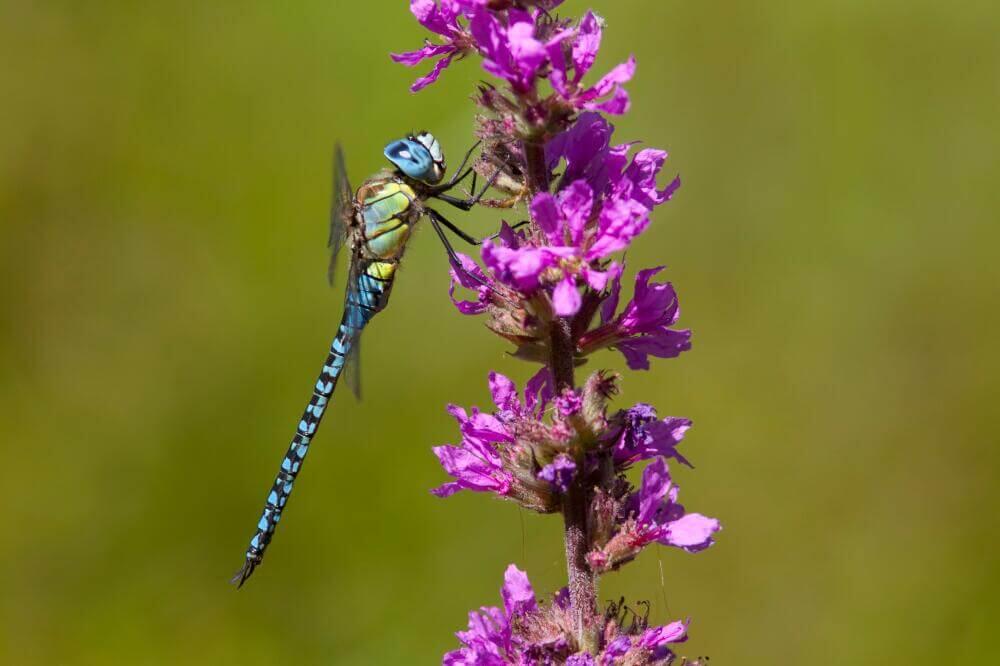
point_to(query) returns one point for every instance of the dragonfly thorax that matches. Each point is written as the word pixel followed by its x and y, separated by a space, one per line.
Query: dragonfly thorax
pixel 387 208
pixel 418 156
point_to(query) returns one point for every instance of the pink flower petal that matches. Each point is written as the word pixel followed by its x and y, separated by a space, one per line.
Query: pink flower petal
pixel 411 58
pixel 692 531
pixel 545 212
pixel 655 484
pixel 433 75
pixel 586 46
pixel 518 595
pixel 566 298
pixel 577 202
pixel 504 391
pixel 658 637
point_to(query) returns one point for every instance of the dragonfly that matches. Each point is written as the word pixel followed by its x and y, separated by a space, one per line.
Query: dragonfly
pixel 375 222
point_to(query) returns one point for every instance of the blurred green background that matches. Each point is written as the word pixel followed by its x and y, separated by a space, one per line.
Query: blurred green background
pixel 164 184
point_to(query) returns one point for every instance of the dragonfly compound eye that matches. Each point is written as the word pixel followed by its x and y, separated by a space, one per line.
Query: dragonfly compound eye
pixel 419 157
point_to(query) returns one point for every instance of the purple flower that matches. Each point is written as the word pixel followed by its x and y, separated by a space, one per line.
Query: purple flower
pixel 643 327
pixel 486 640
pixel 617 648
pixel 559 472
pixel 643 436
pixel 492 295
pixel 511 52
pixel 468 274
pixel 648 647
pixel 603 201
pixel 660 518
pixel 591 217
pixel 524 632
pixel 441 19
pixel 538 393
pixel 656 639
pixel 582 54
pixel 652 514
pixel 489 639
pixel 569 403
pixel 475 463
pixel 638 181
pixel 586 148
pixel 482 461
pixel 578 235
pixel 518 596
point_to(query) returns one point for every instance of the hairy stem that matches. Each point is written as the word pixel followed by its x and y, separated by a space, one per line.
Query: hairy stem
pixel 582 581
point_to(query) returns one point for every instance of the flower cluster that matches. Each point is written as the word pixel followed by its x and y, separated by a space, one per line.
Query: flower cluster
pixel 551 286
pixel 598 209
pixel 526 631
pixel 519 46
pixel 530 454
pixel 500 452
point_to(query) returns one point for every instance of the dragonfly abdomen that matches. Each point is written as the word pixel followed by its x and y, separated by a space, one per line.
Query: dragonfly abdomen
pixel 368 295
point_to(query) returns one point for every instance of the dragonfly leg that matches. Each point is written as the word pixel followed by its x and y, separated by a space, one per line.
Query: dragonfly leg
pixel 459 176
pixel 439 219
pixel 467 204
pixel 436 221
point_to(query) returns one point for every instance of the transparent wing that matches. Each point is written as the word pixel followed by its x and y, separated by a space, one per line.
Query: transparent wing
pixel 353 361
pixel 341 210
pixel 353 369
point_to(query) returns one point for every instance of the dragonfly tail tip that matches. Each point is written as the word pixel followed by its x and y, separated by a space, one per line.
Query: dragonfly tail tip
pixel 243 574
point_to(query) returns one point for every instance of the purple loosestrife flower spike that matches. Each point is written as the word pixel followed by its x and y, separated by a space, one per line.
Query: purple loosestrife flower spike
pixel 553 289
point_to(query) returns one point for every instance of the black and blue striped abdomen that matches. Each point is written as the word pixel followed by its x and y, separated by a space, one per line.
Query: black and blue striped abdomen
pixel 367 294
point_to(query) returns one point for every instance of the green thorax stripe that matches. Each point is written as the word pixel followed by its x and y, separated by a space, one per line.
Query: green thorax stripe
pixel 384 200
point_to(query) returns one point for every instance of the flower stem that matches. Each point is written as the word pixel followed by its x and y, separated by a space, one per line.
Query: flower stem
pixel 582 581
pixel 537 173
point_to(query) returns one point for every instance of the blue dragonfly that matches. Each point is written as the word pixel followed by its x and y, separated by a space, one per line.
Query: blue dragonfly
pixel 375 222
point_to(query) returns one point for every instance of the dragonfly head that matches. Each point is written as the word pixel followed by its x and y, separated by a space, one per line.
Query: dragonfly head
pixel 418 156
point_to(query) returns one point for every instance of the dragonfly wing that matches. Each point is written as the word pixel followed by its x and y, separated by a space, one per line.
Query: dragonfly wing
pixel 351 296
pixel 341 210
pixel 353 369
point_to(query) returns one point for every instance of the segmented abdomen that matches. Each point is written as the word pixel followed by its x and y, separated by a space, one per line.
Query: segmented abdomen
pixel 367 295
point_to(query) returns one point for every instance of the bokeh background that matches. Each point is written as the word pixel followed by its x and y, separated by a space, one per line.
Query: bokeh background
pixel 164 184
